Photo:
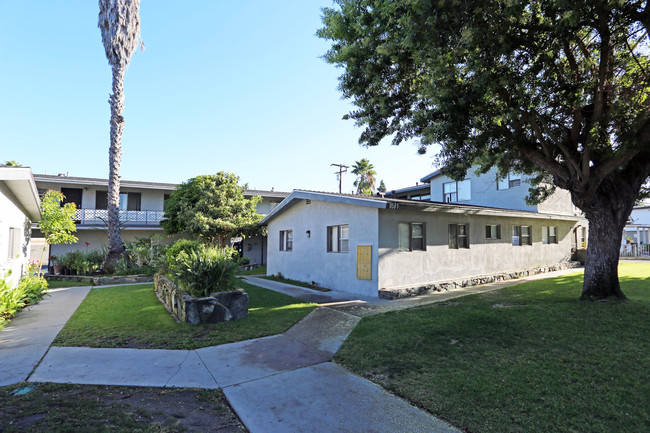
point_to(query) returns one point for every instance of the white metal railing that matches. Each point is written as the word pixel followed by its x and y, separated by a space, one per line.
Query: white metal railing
pixel 636 251
pixel 127 217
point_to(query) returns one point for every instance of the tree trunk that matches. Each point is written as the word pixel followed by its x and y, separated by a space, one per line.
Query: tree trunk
pixel 115 244
pixel 601 264
pixel 607 211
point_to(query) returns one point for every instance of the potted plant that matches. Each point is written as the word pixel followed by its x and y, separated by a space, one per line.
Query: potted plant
pixel 56 265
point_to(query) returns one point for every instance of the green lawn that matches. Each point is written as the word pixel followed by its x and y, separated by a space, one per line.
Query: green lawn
pixel 260 270
pixel 528 358
pixel 132 316
pixel 60 284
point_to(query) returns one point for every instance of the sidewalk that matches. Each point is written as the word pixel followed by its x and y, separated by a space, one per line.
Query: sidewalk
pixel 24 341
pixel 282 383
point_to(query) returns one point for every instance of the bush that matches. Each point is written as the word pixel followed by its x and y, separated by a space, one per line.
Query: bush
pixel 178 252
pixel 30 289
pixel 206 270
pixel 83 263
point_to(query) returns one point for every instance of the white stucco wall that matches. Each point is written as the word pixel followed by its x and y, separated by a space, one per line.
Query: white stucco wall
pixel 309 259
pixel 98 239
pixel 12 217
pixel 485 256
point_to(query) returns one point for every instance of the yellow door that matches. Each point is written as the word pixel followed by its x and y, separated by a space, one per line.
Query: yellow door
pixel 364 262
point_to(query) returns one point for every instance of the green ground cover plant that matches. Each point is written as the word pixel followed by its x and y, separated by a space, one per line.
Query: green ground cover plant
pixel 29 290
pixel 530 357
pixel 313 285
pixel 54 408
pixel 132 316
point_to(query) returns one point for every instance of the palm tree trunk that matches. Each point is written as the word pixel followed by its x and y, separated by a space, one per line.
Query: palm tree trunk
pixel 115 244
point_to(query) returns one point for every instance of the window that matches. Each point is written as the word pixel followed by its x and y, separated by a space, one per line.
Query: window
pixel 456 191
pixel 512 180
pixel 338 239
pixel 493 231
pixel 411 237
pixel 286 240
pixel 165 198
pixel 101 200
pixel 458 236
pixel 521 235
pixel 15 242
pixel 549 235
pixel 583 237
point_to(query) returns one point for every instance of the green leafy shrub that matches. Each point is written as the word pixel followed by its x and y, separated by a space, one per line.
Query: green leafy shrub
pixel 178 252
pixel 83 263
pixel 206 270
pixel 30 289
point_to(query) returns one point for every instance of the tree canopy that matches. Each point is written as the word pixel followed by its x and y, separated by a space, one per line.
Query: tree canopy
pixel 560 89
pixel 213 208
pixel 57 220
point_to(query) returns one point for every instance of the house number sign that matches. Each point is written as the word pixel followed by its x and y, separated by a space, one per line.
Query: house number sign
pixel 393 205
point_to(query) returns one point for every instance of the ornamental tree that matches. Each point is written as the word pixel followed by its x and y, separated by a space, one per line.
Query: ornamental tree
pixel 213 208
pixel 560 89
pixel 57 220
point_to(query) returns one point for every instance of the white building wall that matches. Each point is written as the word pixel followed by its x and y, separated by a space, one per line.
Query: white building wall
pixel 11 217
pixel 309 260
pixel 485 256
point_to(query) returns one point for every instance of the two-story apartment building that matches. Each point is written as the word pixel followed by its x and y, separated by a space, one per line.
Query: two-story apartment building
pixel 142 207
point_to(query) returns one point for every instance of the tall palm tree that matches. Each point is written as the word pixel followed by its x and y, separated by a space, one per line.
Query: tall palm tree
pixel 119 21
pixel 365 172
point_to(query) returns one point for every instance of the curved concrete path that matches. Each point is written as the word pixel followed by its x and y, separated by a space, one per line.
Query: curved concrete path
pixel 282 383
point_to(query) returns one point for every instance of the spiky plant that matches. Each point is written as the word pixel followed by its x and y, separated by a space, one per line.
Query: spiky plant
pixel 119 21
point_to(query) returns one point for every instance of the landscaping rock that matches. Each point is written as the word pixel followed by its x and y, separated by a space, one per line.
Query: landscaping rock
pixel 219 307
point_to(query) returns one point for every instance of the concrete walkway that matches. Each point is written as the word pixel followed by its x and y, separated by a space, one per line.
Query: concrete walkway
pixel 282 383
pixel 24 341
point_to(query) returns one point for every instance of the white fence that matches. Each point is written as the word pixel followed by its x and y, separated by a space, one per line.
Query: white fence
pixel 639 251
pixel 127 217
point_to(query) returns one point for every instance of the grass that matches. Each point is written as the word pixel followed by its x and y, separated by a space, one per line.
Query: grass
pixel 51 284
pixel 260 270
pixel 69 408
pixel 296 283
pixel 526 358
pixel 132 316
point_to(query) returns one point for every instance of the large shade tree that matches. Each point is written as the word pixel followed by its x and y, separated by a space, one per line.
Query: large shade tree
pixel 119 21
pixel 552 87
pixel 213 208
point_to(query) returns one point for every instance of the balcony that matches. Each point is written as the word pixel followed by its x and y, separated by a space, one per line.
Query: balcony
pixel 128 218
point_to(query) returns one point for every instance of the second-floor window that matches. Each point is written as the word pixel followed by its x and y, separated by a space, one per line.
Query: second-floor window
pixel 128 201
pixel 456 191
pixel 512 180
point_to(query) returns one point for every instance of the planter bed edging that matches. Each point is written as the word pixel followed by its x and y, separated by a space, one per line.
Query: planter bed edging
pixel 219 307
pixel 102 281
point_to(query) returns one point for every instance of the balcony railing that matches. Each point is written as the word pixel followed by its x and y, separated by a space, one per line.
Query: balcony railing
pixel 99 217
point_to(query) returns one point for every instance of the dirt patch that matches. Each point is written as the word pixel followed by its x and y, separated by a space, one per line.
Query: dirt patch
pixel 57 408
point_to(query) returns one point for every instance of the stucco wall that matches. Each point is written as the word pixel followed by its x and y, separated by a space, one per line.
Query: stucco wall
pixel 485 256
pixel 97 239
pixel 485 193
pixel 309 259
pixel 12 217
pixel 255 249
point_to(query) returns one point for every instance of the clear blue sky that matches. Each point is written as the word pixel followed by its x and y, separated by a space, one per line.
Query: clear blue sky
pixel 222 85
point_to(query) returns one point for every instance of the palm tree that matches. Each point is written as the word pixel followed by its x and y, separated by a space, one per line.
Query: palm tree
pixel 119 21
pixel 365 172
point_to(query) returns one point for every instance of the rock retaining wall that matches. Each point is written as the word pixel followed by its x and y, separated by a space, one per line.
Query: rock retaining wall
pixel 406 292
pixel 102 281
pixel 219 307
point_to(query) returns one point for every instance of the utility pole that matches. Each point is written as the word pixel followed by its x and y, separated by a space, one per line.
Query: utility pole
pixel 339 174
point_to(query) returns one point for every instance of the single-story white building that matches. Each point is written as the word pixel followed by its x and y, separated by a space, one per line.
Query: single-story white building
pixel 19 207
pixel 372 245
